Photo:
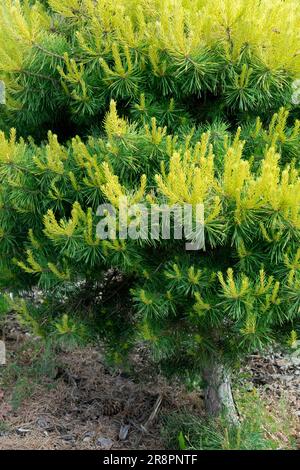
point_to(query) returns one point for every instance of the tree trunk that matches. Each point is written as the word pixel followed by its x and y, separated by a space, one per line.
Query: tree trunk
pixel 218 395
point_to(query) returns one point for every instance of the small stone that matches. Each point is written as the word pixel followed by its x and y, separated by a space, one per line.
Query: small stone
pixel 44 423
pixel 67 437
pixel 23 431
pixel 104 443
pixel 124 432
pixel 89 434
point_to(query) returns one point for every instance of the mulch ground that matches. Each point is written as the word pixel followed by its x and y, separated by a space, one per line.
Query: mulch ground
pixel 88 406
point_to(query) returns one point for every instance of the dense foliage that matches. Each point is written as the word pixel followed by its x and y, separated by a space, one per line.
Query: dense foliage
pixel 62 64
pixel 189 79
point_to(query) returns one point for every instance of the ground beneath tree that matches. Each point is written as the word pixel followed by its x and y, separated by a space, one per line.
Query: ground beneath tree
pixel 86 405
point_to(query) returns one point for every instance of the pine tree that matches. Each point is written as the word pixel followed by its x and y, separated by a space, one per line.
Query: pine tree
pixel 62 63
pixel 165 98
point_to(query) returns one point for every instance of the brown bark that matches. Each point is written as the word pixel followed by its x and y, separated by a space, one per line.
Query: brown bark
pixel 218 394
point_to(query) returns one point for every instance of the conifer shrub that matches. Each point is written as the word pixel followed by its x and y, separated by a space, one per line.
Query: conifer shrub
pixel 63 61
pixel 157 102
